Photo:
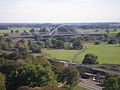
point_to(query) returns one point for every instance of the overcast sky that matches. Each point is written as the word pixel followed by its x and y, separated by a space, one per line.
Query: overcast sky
pixel 50 11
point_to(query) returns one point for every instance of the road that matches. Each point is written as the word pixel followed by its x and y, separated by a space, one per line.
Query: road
pixel 89 84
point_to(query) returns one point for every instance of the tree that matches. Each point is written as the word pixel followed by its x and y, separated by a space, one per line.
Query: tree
pixel 35 48
pixel 111 41
pixel 106 36
pixel 17 31
pixel 114 30
pixel 70 76
pixel 119 43
pixel 96 30
pixel 32 30
pixel 97 43
pixel 112 83
pixel 11 31
pixel 58 68
pixel 2 82
pixel 41 43
pixel 25 31
pixel 59 44
pixel 7 66
pixel 33 75
pixel 48 44
pixel 68 45
pixel 6 34
pixel 22 41
pixel 4 46
pixel 107 31
pixel 77 44
pixel 21 53
pixel 118 35
pixel 90 59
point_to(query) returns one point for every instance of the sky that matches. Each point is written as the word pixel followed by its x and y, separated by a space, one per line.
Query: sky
pixel 59 11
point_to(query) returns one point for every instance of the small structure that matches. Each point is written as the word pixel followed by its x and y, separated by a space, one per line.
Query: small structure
pixel 64 63
pixel 88 76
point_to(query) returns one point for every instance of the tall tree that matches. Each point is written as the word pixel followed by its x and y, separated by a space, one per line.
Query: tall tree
pixel 33 75
pixel 90 59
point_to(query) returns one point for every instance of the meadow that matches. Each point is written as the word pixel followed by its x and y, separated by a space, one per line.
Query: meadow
pixel 14 29
pixel 109 54
pixel 86 31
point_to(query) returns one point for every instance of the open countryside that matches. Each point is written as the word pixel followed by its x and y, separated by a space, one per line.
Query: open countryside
pixel 107 53
pixel 60 56
pixel 59 45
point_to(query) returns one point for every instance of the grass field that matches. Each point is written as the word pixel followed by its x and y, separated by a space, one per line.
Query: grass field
pixel 106 53
pixel 92 31
pixel 88 31
pixel 62 54
pixel 14 29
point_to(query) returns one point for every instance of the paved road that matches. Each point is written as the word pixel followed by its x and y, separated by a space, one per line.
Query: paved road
pixel 89 84
pixel 112 72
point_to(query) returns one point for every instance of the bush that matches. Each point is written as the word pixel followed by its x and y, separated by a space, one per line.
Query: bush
pixel 97 43
pixel 90 59
pixel 112 41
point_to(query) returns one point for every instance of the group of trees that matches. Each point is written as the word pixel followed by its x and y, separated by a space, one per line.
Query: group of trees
pixel 79 25
pixel 35 45
pixel 60 42
pixel 68 75
pixel 3 27
pixel 112 83
pixel 90 59
pixel 34 72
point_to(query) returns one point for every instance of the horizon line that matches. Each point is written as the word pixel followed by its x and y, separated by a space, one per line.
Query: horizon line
pixel 57 22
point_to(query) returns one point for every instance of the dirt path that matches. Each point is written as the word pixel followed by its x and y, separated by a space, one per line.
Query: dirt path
pixel 84 49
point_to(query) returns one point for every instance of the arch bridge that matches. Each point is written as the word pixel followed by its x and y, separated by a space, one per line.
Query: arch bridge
pixel 64 30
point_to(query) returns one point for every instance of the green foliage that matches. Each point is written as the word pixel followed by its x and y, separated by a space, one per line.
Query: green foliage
pixel 97 43
pixel 70 76
pixel 77 44
pixel 35 48
pixel 112 41
pixel 59 44
pixel 58 70
pixel 32 30
pixel 90 59
pixel 2 82
pixel 32 75
pixel 48 44
pixel 7 66
pixel 68 45
pixel 106 36
pixel 112 83
pixel 4 46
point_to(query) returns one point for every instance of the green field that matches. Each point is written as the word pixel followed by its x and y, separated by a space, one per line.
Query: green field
pixel 14 29
pixel 88 31
pixel 92 31
pixel 106 53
